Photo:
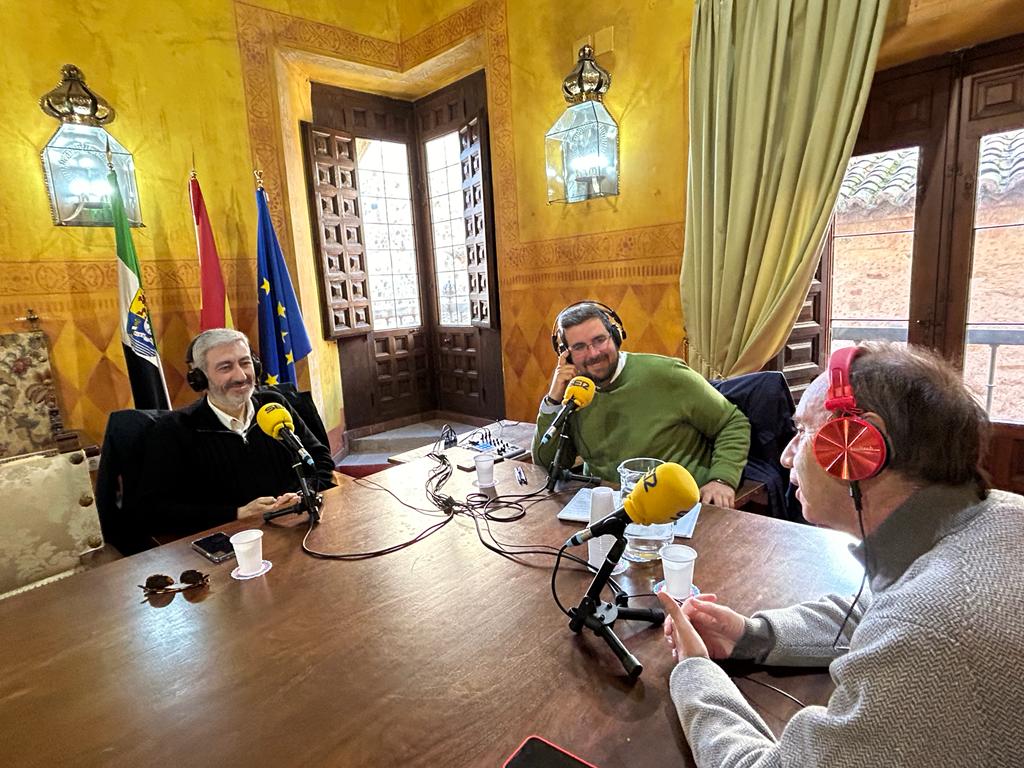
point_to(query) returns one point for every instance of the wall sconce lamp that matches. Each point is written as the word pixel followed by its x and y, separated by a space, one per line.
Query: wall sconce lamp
pixel 75 158
pixel 581 151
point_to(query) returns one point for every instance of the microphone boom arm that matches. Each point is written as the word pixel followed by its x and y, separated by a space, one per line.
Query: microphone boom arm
pixel 599 617
pixel 557 472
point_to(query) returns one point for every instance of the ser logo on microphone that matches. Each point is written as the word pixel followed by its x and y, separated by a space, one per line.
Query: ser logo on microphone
pixel 650 480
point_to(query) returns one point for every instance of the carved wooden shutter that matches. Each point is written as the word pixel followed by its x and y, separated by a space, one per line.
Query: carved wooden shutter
pixel 476 199
pixel 337 231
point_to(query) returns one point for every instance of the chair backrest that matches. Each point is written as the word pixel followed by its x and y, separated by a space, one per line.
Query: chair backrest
pixel 29 416
pixel 764 398
pixel 48 518
pixel 302 403
pixel 119 476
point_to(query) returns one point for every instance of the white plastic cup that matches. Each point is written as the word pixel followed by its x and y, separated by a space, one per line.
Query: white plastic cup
pixel 484 469
pixel 677 561
pixel 602 504
pixel 248 551
pixel 643 542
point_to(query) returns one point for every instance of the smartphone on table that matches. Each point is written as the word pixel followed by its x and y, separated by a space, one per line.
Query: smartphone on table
pixel 216 547
pixel 536 752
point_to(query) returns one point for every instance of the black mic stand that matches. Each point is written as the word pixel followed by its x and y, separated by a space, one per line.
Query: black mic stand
pixel 311 502
pixel 599 616
pixel 556 472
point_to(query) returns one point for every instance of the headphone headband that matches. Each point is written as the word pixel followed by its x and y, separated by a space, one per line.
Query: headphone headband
pixel 618 330
pixel 840 398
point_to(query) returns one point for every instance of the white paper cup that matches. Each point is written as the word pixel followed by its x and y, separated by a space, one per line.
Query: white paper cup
pixel 678 560
pixel 484 469
pixel 248 551
pixel 602 504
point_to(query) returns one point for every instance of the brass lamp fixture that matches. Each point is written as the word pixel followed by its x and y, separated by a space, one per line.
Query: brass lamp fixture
pixel 75 159
pixel 581 151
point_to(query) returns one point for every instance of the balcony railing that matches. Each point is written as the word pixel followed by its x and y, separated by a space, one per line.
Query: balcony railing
pixel 992 335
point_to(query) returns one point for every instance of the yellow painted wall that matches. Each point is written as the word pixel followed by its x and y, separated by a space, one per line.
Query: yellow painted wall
pixel 647 98
pixel 419 15
pixel 172 72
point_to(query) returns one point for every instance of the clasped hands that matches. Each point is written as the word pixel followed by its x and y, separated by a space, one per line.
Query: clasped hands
pixel 701 627
pixel 264 504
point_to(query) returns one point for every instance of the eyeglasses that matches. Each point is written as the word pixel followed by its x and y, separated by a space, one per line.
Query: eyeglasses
pixel 165 585
pixel 595 343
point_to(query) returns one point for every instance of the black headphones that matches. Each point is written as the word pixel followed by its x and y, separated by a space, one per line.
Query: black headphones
pixel 196 377
pixel 611 318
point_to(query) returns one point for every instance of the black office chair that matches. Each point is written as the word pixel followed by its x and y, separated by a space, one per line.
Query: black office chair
pixel 764 398
pixel 119 477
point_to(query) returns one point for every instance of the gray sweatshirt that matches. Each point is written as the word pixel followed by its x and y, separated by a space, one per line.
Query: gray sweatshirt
pixel 934 675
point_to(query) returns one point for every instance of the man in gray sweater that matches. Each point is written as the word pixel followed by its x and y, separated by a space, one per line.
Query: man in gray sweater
pixel 927 663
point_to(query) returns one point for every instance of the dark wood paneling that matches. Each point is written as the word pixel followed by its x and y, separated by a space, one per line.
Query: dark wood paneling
pixel 805 352
pixel 1005 460
pixel 337 231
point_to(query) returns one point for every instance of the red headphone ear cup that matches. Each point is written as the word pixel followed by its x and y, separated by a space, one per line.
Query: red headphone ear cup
pixel 850 448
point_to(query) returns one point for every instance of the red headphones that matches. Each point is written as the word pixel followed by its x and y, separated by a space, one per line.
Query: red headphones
pixel 848 447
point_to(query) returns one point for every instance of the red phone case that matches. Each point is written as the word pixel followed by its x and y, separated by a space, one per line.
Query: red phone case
pixel 538 752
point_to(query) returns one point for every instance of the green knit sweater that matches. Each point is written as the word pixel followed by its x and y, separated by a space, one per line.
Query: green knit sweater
pixel 656 407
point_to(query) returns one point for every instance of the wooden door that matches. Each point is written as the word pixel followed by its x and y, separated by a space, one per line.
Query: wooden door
pixel 467 331
pixel 385 372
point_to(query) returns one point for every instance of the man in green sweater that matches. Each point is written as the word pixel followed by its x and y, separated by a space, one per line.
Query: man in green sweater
pixel 926 663
pixel 645 406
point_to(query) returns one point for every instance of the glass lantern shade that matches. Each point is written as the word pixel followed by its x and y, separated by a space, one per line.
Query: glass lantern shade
pixel 581 152
pixel 75 166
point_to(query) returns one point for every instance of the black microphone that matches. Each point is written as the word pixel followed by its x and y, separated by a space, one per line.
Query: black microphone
pixel 578 395
pixel 275 420
pixel 664 494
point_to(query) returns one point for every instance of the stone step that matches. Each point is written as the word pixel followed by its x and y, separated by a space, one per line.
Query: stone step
pixel 405 438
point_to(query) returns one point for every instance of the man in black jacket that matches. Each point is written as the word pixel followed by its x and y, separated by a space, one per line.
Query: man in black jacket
pixel 209 462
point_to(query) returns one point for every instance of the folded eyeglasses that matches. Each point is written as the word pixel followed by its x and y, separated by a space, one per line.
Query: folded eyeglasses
pixel 165 585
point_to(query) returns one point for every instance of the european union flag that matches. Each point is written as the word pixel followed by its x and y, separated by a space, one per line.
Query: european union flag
pixel 283 338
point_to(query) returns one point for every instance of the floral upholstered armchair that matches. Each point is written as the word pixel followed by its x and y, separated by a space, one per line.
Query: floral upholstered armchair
pixel 29 416
pixel 48 518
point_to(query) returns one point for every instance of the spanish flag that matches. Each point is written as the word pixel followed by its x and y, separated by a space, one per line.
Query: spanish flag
pixel 213 299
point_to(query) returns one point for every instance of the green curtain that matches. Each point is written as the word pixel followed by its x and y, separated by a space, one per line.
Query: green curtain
pixel 777 90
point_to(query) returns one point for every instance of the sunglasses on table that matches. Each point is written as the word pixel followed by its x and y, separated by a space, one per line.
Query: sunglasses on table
pixel 165 585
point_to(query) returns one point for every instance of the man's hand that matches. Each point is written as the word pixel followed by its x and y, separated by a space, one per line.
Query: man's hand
pixel 717 495
pixel 718 627
pixel 564 373
pixel 258 506
pixel 680 634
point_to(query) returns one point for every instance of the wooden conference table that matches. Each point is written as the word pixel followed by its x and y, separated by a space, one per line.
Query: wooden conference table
pixel 442 654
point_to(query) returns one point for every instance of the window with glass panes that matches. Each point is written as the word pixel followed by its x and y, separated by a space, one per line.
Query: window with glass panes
pixel 444 189
pixel 384 192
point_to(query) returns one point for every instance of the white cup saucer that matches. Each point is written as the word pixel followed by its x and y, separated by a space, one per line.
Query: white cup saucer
pixel 694 591
pixel 267 565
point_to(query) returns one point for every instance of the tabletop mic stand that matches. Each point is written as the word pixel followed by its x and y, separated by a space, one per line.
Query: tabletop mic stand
pixel 311 502
pixel 556 472
pixel 599 616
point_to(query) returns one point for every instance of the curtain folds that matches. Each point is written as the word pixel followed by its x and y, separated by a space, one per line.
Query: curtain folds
pixel 777 91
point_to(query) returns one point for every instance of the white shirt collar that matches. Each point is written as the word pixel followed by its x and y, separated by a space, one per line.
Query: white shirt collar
pixel 241 426
pixel 619 366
